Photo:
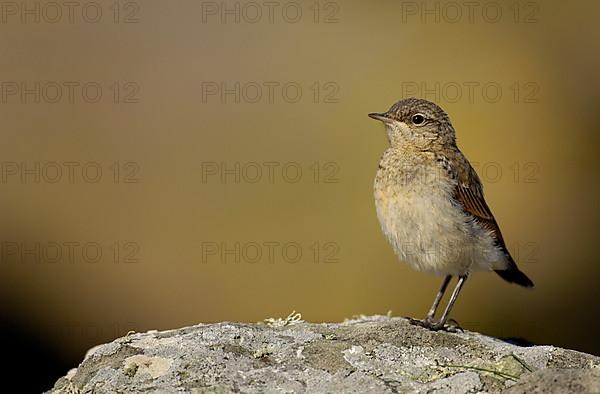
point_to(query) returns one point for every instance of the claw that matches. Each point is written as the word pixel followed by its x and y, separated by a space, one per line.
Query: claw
pixel 435 326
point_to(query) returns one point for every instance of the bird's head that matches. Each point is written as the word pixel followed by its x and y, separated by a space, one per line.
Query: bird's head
pixel 416 123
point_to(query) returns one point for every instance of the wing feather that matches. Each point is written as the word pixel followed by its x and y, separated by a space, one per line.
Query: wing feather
pixel 468 193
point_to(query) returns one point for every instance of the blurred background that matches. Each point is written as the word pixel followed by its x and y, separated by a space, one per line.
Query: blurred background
pixel 170 163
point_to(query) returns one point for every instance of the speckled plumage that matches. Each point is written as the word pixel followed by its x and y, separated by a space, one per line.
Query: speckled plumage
pixel 430 203
pixel 429 199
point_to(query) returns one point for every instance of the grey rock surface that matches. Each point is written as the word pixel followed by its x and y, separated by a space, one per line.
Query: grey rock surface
pixel 370 354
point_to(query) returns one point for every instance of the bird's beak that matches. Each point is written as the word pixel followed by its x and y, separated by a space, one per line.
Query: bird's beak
pixel 382 117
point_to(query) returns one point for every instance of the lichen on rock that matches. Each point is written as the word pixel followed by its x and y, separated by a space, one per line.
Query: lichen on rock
pixel 369 354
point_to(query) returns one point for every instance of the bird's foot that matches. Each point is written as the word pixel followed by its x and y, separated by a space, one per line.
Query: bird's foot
pixel 428 323
pixel 432 325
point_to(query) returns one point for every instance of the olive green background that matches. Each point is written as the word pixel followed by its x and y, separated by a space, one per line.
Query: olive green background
pixel 535 146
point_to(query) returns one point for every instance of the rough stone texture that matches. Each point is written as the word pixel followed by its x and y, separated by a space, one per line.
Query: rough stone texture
pixel 370 354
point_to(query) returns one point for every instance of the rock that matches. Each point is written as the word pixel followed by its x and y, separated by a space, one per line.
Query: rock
pixel 369 354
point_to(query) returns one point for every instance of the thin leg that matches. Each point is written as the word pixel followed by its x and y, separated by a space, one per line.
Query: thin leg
pixel 438 298
pixel 459 285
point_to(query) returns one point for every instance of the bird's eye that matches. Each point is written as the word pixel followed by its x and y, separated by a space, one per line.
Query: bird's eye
pixel 418 119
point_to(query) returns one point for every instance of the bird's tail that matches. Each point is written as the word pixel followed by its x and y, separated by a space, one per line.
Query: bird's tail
pixel 512 274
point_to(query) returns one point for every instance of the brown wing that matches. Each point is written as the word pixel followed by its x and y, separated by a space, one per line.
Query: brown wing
pixel 469 194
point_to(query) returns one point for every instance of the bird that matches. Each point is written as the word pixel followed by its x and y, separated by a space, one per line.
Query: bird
pixel 430 204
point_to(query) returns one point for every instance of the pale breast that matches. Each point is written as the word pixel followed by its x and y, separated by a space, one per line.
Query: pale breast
pixel 425 227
